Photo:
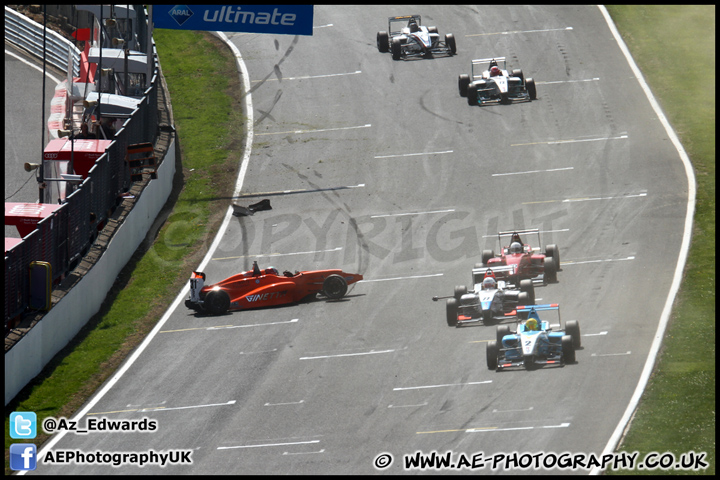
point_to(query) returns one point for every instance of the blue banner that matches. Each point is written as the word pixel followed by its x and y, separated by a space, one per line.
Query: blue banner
pixel 278 19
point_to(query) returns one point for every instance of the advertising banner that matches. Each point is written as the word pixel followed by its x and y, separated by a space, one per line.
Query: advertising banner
pixel 276 19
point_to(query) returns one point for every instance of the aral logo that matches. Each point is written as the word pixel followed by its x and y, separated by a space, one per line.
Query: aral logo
pixel 181 14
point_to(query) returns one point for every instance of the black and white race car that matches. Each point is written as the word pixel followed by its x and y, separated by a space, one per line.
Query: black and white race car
pixel 490 82
pixel 490 300
pixel 406 37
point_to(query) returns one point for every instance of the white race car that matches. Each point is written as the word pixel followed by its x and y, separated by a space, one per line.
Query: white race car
pixel 490 299
pixel 490 82
pixel 406 37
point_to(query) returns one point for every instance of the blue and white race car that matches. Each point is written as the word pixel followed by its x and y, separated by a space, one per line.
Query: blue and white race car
pixel 535 342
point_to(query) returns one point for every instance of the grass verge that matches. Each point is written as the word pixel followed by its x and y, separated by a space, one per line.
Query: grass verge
pixel 674 46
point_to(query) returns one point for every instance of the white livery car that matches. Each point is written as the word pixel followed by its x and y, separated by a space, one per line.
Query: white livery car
pixel 490 299
pixel 406 37
pixel 490 82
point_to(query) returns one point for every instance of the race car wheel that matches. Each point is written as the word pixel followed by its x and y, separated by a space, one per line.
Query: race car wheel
pixel 527 286
pixel 472 95
pixel 530 84
pixel 463 82
pixel 492 355
pixel 335 286
pixel 554 252
pixel 500 332
pixel 217 302
pixel 572 328
pixel 549 270
pixel 518 73
pixel 487 255
pixel 396 48
pixel 450 42
pixel 567 349
pixel 383 42
pixel 432 30
pixel 451 312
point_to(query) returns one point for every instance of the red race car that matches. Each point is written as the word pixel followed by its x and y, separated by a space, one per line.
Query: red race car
pixel 527 261
pixel 265 288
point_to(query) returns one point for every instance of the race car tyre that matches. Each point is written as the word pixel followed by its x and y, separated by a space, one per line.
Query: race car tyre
pixel 549 270
pixel 396 48
pixel 530 85
pixel 492 355
pixel 335 286
pixel 487 255
pixel 518 73
pixel 567 349
pixel 460 290
pixel 572 328
pixel 451 312
pixel 524 299
pixel 383 42
pixel 463 82
pixel 450 42
pixel 432 30
pixel 217 302
pixel 472 95
pixel 554 252
pixel 500 332
pixel 527 286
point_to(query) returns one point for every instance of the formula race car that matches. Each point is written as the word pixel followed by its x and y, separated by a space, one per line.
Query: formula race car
pixel 534 342
pixel 490 82
pixel 265 288
pixel 489 300
pixel 407 38
pixel 527 262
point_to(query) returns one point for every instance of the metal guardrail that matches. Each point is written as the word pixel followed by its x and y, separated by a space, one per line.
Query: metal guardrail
pixel 28 35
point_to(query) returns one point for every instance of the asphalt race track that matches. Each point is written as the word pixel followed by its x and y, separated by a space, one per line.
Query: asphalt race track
pixel 380 167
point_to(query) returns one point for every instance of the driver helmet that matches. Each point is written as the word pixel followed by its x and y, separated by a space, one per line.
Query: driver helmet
pixel 494 71
pixel 489 283
pixel 515 247
pixel 272 270
pixel 531 324
pixel 413 26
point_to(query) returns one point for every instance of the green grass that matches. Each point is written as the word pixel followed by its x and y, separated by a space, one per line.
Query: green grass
pixel 674 46
pixel 677 412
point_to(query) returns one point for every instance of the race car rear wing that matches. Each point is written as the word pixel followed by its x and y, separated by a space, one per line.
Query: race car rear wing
pixel 539 308
pixel 500 271
pixel 401 18
pixel 510 233
pixel 547 306
pixel 483 64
